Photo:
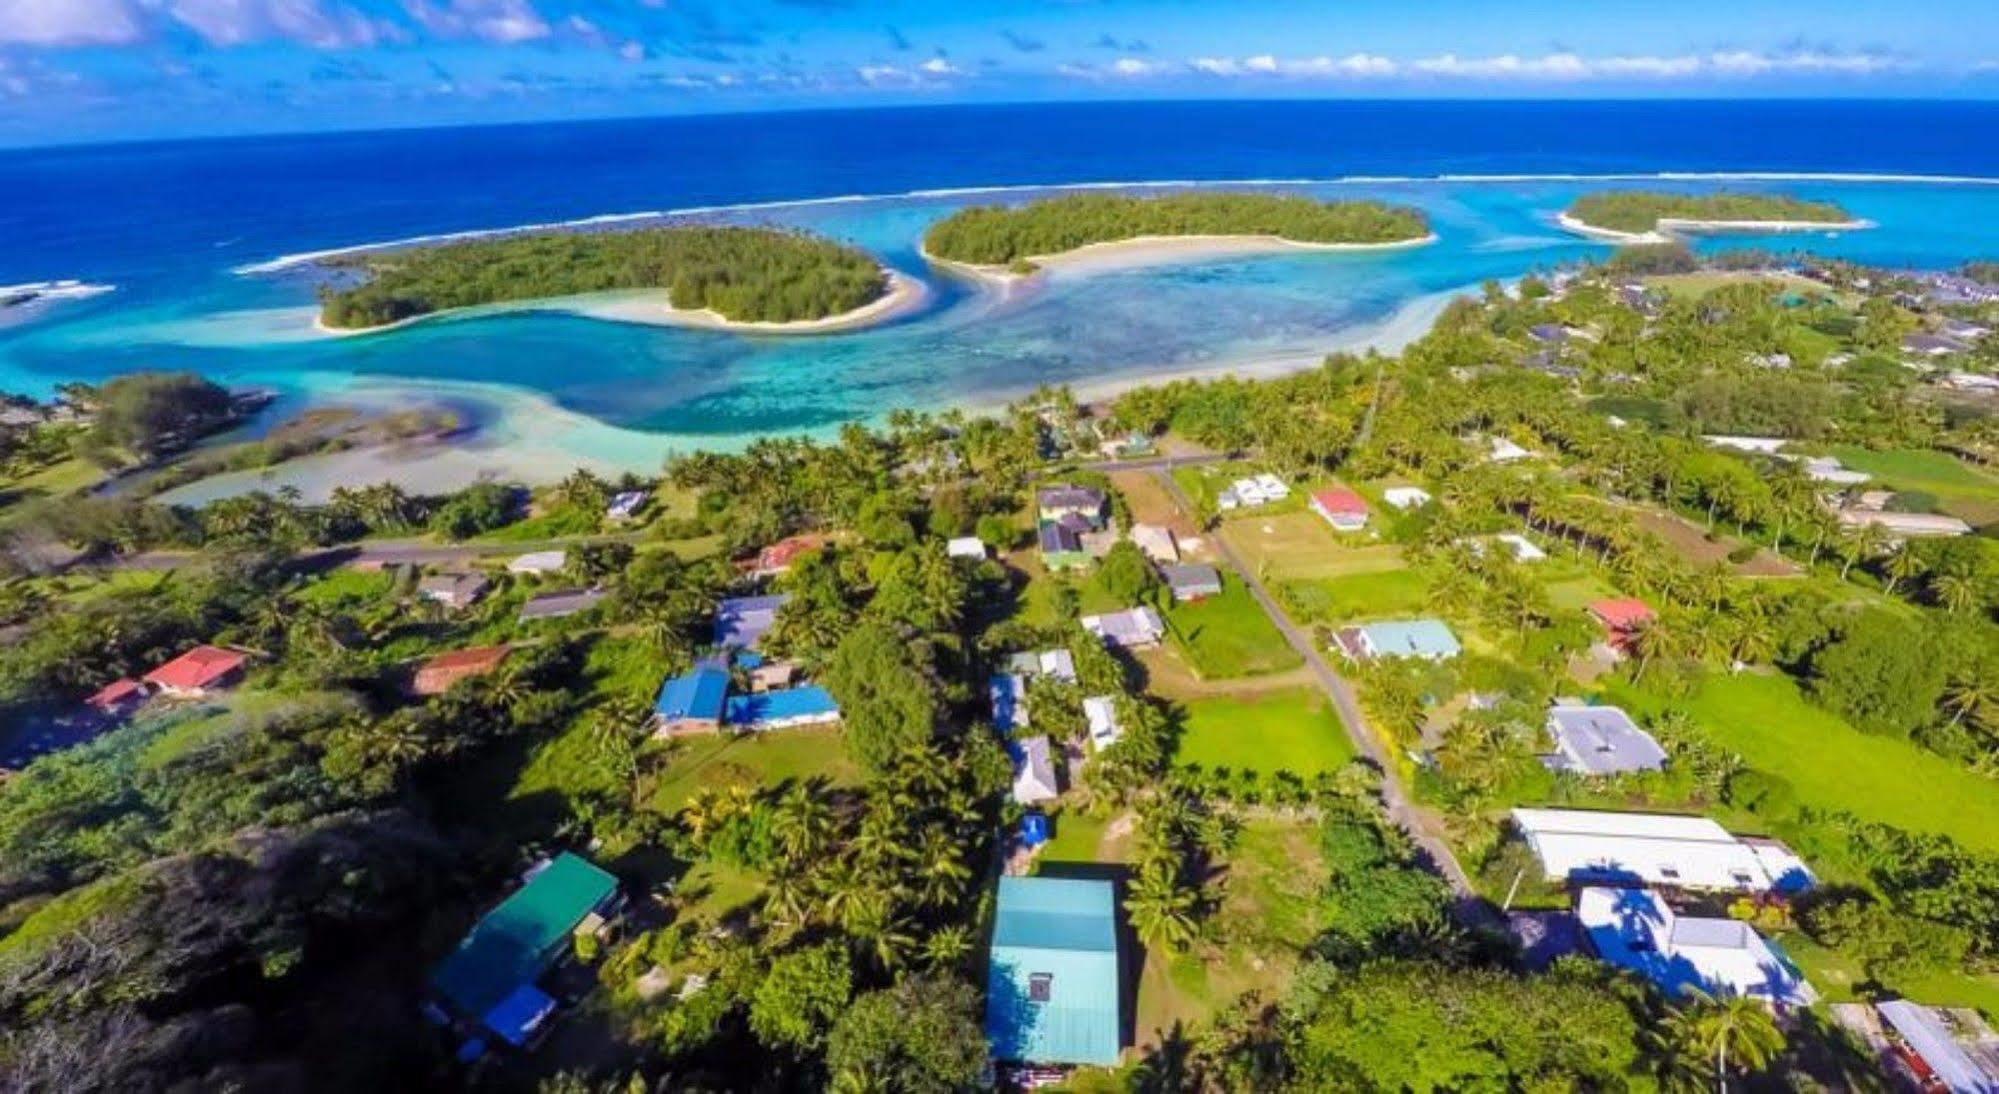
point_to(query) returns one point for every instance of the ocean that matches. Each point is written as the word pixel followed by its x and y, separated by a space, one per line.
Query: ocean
pixel 192 235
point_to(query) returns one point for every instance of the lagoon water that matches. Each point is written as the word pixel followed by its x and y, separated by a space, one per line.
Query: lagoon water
pixel 188 231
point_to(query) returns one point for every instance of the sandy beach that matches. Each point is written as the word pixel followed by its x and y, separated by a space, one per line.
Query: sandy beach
pixel 1670 229
pixel 1142 251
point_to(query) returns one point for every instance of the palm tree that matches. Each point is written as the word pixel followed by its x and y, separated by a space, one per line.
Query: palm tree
pixel 1971 695
pixel 1161 912
pixel 941 872
pixel 1903 565
pixel 880 934
pixel 1736 1032
pixel 947 947
pixel 803 822
pixel 1957 592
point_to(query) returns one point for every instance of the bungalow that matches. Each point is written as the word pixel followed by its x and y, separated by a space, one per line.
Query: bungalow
pixel 692 702
pixel 742 621
pixel 1906 525
pixel 1932 346
pixel 1635 929
pixel 1580 845
pixel 200 671
pixel 1427 639
pixel 1599 740
pixel 1755 446
pixel 539 563
pixel 1061 542
pixel 1502 450
pixel 1008 692
pixel 1056 662
pixel 1828 469
pixel 1341 508
pixel 625 505
pixel 1622 618
pixel 1192 581
pixel 490 982
pixel 1131 629
pixel 1520 547
pixel 561 604
pixel 456 591
pixel 778 557
pixel 437 675
pixel 1100 711
pixel 786 709
pixel 1055 502
pixel 1157 541
pixel 1052 987
pixel 971 547
pixel 118 699
pixel 1970 381
pixel 1406 497
pixel 1943 1050
pixel 1033 771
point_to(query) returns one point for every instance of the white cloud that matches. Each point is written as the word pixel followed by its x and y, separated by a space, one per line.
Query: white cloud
pixel 503 21
pixel 929 72
pixel 69 22
pixel 1133 67
pixel 1562 66
pixel 307 22
pixel 632 51
pixel 938 66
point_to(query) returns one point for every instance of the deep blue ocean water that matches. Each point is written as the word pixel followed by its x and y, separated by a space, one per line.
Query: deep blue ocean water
pixel 171 224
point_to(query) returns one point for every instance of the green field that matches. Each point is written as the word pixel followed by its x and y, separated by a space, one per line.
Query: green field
pixel 1301 545
pixel 1376 595
pixel 1831 764
pixel 1967 492
pixel 1078 838
pixel 1294 730
pixel 1228 635
pixel 760 759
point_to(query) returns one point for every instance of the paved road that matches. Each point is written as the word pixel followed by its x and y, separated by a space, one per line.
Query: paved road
pixel 1404 813
pixel 1157 463
pixel 389 552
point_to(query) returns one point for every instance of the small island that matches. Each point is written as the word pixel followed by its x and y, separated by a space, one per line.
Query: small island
pixel 1644 217
pixel 1018 240
pixel 718 277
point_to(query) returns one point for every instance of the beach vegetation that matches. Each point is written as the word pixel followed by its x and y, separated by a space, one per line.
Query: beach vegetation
pixel 1639 211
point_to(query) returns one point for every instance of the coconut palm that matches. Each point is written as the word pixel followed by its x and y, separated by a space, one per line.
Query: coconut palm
pixel 1735 1033
pixel 941 871
pixel 1956 592
pixel 947 947
pixel 803 822
pixel 1903 565
pixel 1160 911
pixel 1973 695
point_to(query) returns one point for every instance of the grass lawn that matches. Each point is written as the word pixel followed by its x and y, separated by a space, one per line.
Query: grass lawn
pixel 1228 635
pixel 1378 595
pixel 1037 599
pixel 626 666
pixel 760 759
pixel 1965 491
pixel 1295 730
pixel 560 520
pixel 1300 545
pixel 1202 483
pixel 1839 978
pixel 1149 503
pixel 348 588
pixel 1079 837
pixel 1832 765
pixel 56 480
pixel 1690 541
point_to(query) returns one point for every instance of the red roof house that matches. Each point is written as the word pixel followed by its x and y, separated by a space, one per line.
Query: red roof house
pixel 199 671
pixel 435 676
pixel 1342 508
pixel 1622 619
pixel 117 698
pixel 778 557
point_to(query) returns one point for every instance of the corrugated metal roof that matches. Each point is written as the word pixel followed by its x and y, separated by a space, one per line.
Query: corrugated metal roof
pixel 695 695
pixel 514 942
pixel 778 706
pixel 1052 987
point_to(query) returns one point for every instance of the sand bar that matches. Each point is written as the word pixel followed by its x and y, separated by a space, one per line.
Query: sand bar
pixel 1155 250
pixel 1670 229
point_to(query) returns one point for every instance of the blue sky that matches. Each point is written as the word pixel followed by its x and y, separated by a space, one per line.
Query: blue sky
pixel 96 69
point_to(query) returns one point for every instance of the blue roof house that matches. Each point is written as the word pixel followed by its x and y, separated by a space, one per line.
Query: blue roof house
pixel 1425 639
pixel 1052 983
pixel 490 979
pixel 740 622
pixel 781 709
pixel 693 701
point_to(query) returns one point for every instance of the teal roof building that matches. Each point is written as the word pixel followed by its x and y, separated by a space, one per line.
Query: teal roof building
pixel 1052 986
pixel 491 973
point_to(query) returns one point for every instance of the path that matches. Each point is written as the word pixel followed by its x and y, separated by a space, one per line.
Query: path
pixel 388 552
pixel 1419 825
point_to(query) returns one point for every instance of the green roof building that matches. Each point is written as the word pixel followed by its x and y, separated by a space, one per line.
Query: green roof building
pixel 514 944
pixel 1052 985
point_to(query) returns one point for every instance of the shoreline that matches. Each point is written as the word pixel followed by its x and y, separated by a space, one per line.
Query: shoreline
pixel 1672 229
pixel 1153 250
pixel 653 307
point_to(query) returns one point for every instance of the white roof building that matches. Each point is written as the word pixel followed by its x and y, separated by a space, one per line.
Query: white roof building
pixel 1520 547
pixel 539 562
pixel 1033 771
pixel 966 547
pixel 1959 1050
pixel 1652 849
pixel 1157 541
pixel 1101 712
pixel 1502 450
pixel 1598 740
pixel 1907 524
pixel 1406 497
pixel 1763 446
pixel 1636 930
pixel 1133 628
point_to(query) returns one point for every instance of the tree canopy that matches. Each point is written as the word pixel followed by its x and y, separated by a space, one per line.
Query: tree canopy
pixel 1641 211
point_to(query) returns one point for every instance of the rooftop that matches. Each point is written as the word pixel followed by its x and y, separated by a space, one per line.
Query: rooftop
pixel 696 695
pixel 513 944
pixel 767 707
pixel 1622 613
pixel 1411 638
pixel 1340 500
pixel 740 622
pixel 1052 991
pixel 199 667
pixel 1595 740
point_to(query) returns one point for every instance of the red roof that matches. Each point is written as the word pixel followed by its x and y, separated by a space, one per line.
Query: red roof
pixel 197 668
pixel 115 694
pixel 1622 614
pixel 779 555
pixel 1340 500
pixel 439 673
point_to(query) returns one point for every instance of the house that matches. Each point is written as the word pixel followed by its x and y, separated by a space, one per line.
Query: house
pixel 1935 1049
pixel 1502 450
pixel 1061 542
pixel 1008 692
pixel 539 563
pixel 971 547
pixel 490 982
pixel 1271 487
pixel 1964 330
pixel 1755 446
pixel 1057 663
pixel 1052 982
pixel 1055 502
pixel 1192 581
pixel 693 701
pixel 1157 541
pixel 1406 497
pixel 1827 469
pixel 1599 740
pixel 1548 334
pixel 437 675
pixel 1635 929
pixel 1580 845
pixel 1131 629
pixel 1970 381
pixel 1033 771
pixel 118 699
pixel 200 671
pixel 455 591
pixel 1100 711
pixel 624 506
pixel 1622 618
pixel 786 709
pixel 1520 547
pixel 778 557
pixel 742 621
pixel 1932 346
pixel 561 603
pixel 1427 639
pixel 1341 508
pixel 1906 525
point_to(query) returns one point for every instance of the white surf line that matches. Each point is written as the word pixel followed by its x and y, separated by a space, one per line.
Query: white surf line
pixel 284 262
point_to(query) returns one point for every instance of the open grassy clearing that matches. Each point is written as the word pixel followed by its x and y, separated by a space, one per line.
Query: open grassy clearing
pixel 1228 636
pixel 1149 502
pixel 1839 979
pixel 1079 837
pixel 1168 676
pixel 1037 596
pixel 1293 730
pixel 1831 764
pixel 1301 545
pixel 1377 595
pixel 1686 539
pixel 1964 490
pixel 757 759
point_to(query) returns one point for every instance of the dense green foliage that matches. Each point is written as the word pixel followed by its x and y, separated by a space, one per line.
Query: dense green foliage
pixel 148 413
pixel 746 274
pixel 998 235
pixel 1640 211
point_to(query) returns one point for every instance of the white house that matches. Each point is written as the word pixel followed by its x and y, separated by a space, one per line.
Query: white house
pixel 1761 446
pixel 966 547
pixel 1101 713
pixel 1907 524
pixel 1970 381
pixel 1131 629
pixel 1648 848
pixel 539 562
pixel 1520 547
pixel 1599 740
pixel 625 505
pixel 1157 541
pixel 1405 497
pixel 1636 930
pixel 1033 771
pixel 1502 450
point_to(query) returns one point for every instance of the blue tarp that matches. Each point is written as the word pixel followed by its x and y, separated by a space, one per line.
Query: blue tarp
pixel 517 1016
